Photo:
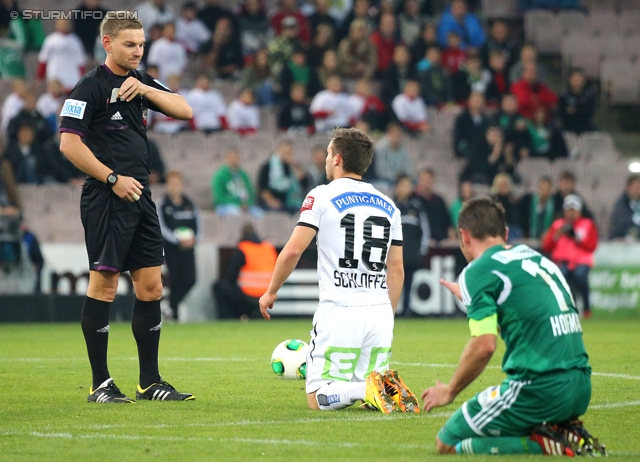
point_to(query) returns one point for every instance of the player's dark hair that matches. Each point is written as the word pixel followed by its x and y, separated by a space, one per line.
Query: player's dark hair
pixel 356 149
pixel 482 218
pixel 115 21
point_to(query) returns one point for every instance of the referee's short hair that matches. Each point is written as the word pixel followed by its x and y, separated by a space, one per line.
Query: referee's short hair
pixel 483 218
pixel 115 21
pixel 356 149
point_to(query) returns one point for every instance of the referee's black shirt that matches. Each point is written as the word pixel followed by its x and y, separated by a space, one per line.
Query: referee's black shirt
pixel 113 129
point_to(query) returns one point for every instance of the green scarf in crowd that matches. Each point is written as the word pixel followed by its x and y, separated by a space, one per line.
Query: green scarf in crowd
pixel 540 222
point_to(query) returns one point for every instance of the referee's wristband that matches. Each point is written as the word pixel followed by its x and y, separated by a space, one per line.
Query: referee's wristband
pixel 112 178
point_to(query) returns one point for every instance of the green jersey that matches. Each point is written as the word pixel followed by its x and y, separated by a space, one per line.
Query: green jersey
pixel 530 300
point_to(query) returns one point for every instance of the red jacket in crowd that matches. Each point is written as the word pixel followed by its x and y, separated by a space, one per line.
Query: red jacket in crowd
pixel 572 251
pixel 531 96
pixel 453 59
pixel 384 48
pixel 304 33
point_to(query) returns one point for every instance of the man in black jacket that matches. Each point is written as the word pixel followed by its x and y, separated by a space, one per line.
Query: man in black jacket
pixel 470 127
pixel 625 217
pixel 577 104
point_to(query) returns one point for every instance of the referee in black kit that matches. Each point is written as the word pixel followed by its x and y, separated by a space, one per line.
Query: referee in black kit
pixel 108 109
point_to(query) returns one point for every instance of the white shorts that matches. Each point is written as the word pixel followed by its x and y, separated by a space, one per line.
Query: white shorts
pixel 348 342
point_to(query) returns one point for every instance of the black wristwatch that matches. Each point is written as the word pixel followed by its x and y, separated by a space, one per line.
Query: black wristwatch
pixel 112 178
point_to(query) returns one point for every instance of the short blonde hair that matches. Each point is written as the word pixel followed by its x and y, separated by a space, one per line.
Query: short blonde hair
pixel 115 21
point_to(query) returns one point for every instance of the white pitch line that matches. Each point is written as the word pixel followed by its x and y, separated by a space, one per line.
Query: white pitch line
pixel 616 376
pixel 132 358
pixel 614 405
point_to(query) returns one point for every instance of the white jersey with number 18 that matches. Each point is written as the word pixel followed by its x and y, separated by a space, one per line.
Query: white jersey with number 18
pixel 356 226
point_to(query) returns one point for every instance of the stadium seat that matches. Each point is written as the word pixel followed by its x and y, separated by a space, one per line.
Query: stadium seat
pixel 589 142
pixel 602 22
pixel 190 142
pixel 631 43
pixel 572 20
pixel 210 225
pixel 268 119
pixel 574 166
pixel 571 141
pixel 274 227
pixel 628 22
pixel 492 9
pixel 534 19
pixel 219 142
pixel 611 45
pixel 258 146
pixel 531 169
pixel 226 89
pixel 301 148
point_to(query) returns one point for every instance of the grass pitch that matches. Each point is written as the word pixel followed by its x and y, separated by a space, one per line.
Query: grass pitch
pixel 243 411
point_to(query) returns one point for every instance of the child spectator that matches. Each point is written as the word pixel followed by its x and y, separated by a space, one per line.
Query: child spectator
pixel 410 109
pixel 427 40
pixel 294 115
pixel 472 78
pixel 208 106
pixel 514 127
pixel 394 78
pixel 169 55
pixel 435 82
pixel 297 70
pixel 367 107
pixel 453 57
pixel 499 84
pixel 546 139
pixel 243 115
pixel 330 108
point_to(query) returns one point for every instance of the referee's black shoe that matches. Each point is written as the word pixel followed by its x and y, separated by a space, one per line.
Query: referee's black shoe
pixel 162 391
pixel 108 392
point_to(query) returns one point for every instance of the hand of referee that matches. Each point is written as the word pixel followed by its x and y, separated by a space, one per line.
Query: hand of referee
pixel 131 88
pixel 126 188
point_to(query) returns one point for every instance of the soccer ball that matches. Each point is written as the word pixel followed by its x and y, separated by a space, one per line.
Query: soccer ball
pixel 289 359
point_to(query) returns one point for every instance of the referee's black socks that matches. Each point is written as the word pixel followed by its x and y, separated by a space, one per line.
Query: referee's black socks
pixel 95 327
pixel 146 325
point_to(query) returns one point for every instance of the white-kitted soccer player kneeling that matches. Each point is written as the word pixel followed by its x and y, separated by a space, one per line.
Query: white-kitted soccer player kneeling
pixel 360 271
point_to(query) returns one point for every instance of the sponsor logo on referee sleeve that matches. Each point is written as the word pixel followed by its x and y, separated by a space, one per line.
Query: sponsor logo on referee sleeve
pixel 73 108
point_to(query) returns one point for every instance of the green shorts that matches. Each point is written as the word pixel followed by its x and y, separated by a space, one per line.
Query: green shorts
pixel 515 407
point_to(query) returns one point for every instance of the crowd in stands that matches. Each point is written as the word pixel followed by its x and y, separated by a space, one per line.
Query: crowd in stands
pixel 383 66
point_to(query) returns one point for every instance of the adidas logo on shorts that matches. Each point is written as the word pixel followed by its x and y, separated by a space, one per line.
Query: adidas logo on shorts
pixel 116 116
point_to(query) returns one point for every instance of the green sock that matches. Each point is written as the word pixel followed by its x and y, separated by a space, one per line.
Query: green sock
pixel 499 445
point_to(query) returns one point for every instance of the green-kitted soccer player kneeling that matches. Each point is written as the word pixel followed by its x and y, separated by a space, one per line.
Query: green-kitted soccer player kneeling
pixel 518 292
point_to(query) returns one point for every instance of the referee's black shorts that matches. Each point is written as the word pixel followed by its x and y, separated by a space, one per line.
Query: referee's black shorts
pixel 120 235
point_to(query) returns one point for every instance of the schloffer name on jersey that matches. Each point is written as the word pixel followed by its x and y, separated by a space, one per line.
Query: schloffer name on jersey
pixel 352 280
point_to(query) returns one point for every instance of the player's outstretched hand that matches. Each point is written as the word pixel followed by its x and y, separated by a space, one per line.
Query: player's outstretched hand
pixel 436 396
pixel 131 88
pixel 127 188
pixel 266 303
pixel 453 288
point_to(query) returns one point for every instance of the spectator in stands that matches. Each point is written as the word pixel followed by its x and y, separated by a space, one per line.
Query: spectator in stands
pixel 499 84
pixel 361 11
pixel 26 156
pixel 156 164
pixel 499 41
pixel 472 78
pixel 394 78
pixel 357 56
pixel 571 241
pixel 625 216
pixel 528 54
pixel 86 25
pixel 294 116
pixel 410 109
pixel 321 16
pixel 536 209
pixel 233 192
pixel 577 104
pixel 243 116
pixel 29 115
pixel 9 195
pixel 427 39
pixel 391 156
pixel 328 68
pixel 50 103
pixel 434 206
pixel 453 57
pixel 153 35
pixel 212 12
pixel 169 55
pixel 281 48
pixel 531 93
pixel 298 70
pixel 208 106
pixel 502 192
pixel 566 187
pixel 162 123
pixel 280 181
pixel 245 278
pixel 13 103
pixel 190 31
pixel 515 128
pixel 456 18
pixel 415 234
pixel 385 41
pixel 435 82
pixel 470 127
pixel 62 56
pixel 367 106
pixel 330 108
pixel 323 40
pixel 488 158
pixel 223 51
pixel 181 230
pixel 316 173
pixel 154 12
pixel 257 76
pixel 410 22
pixel 255 27
pixel 289 9
pixel 465 192
pixel 546 139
